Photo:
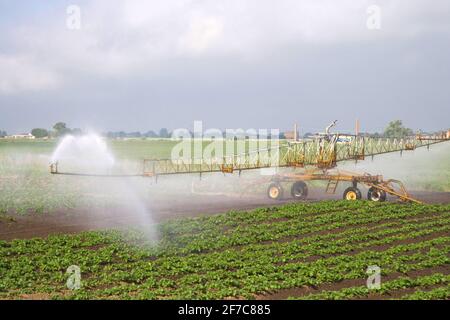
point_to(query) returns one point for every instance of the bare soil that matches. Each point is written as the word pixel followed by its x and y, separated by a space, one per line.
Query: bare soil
pixel 23 226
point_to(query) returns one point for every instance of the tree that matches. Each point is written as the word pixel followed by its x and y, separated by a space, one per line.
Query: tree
pixel 61 129
pixel 163 133
pixel 151 134
pixel 396 129
pixel 39 133
pixel 3 134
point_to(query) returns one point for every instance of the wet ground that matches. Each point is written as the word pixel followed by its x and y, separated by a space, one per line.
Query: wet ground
pixel 31 225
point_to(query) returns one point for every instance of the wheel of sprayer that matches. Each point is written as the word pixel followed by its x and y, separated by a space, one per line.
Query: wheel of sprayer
pixel 376 194
pixel 275 191
pixel 299 190
pixel 352 194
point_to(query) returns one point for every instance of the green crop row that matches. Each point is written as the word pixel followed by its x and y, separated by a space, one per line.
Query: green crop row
pixel 441 293
pixel 244 256
pixel 386 288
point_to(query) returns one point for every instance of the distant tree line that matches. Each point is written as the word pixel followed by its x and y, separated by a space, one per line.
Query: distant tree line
pixel 393 129
pixel 59 129
pixel 163 133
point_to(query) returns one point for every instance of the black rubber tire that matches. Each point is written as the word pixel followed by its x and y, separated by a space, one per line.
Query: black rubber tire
pixel 299 190
pixel 352 193
pixel 275 195
pixel 376 195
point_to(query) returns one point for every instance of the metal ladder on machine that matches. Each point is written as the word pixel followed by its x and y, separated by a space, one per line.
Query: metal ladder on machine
pixel 332 186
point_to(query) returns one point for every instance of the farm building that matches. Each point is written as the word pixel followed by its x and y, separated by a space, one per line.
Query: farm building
pixel 21 136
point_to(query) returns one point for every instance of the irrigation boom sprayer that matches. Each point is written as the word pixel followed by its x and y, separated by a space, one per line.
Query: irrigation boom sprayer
pixel 318 158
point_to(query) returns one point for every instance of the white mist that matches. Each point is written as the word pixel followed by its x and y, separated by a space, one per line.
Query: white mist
pixel 90 154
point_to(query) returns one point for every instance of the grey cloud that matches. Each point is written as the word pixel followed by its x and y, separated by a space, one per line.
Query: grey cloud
pixel 144 70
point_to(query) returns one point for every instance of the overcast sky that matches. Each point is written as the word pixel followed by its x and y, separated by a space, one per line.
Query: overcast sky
pixel 141 65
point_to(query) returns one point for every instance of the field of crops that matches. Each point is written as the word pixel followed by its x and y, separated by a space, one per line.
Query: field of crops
pixel 26 185
pixel 296 251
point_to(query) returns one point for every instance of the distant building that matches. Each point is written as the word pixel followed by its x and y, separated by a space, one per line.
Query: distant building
pixel 21 136
pixel 292 135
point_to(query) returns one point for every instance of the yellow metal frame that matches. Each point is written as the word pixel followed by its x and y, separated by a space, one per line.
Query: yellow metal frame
pixel 391 186
pixel 320 155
